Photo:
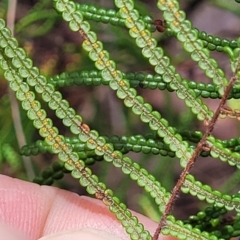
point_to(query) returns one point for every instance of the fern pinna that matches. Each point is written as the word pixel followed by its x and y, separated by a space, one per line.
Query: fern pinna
pixel 85 146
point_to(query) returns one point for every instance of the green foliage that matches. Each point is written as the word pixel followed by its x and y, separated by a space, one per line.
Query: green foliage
pixel 80 146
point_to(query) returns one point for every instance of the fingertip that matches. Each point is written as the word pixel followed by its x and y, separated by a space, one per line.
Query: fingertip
pixel 10 233
pixel 83 234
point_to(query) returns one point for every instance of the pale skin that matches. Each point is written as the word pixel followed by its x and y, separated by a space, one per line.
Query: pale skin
pixel 30 212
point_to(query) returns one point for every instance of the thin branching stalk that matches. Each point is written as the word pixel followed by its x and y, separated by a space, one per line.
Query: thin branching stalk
pixel 202 145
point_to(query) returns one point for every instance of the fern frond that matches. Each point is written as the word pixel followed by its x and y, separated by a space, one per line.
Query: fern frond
pixel 187 35
pixel 205 192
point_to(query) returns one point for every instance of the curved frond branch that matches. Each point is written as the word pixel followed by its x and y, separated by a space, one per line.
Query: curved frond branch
pixel 184 231
pixel 138 79
pixel 217 150
pixel 110 16
pixel 160 62
pixel 187 35
pixel 205 192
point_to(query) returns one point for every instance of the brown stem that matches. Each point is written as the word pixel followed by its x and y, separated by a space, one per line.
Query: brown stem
pixel 200 146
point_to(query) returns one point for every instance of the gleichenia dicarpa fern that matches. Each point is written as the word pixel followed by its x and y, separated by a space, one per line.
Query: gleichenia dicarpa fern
pixel 85 146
